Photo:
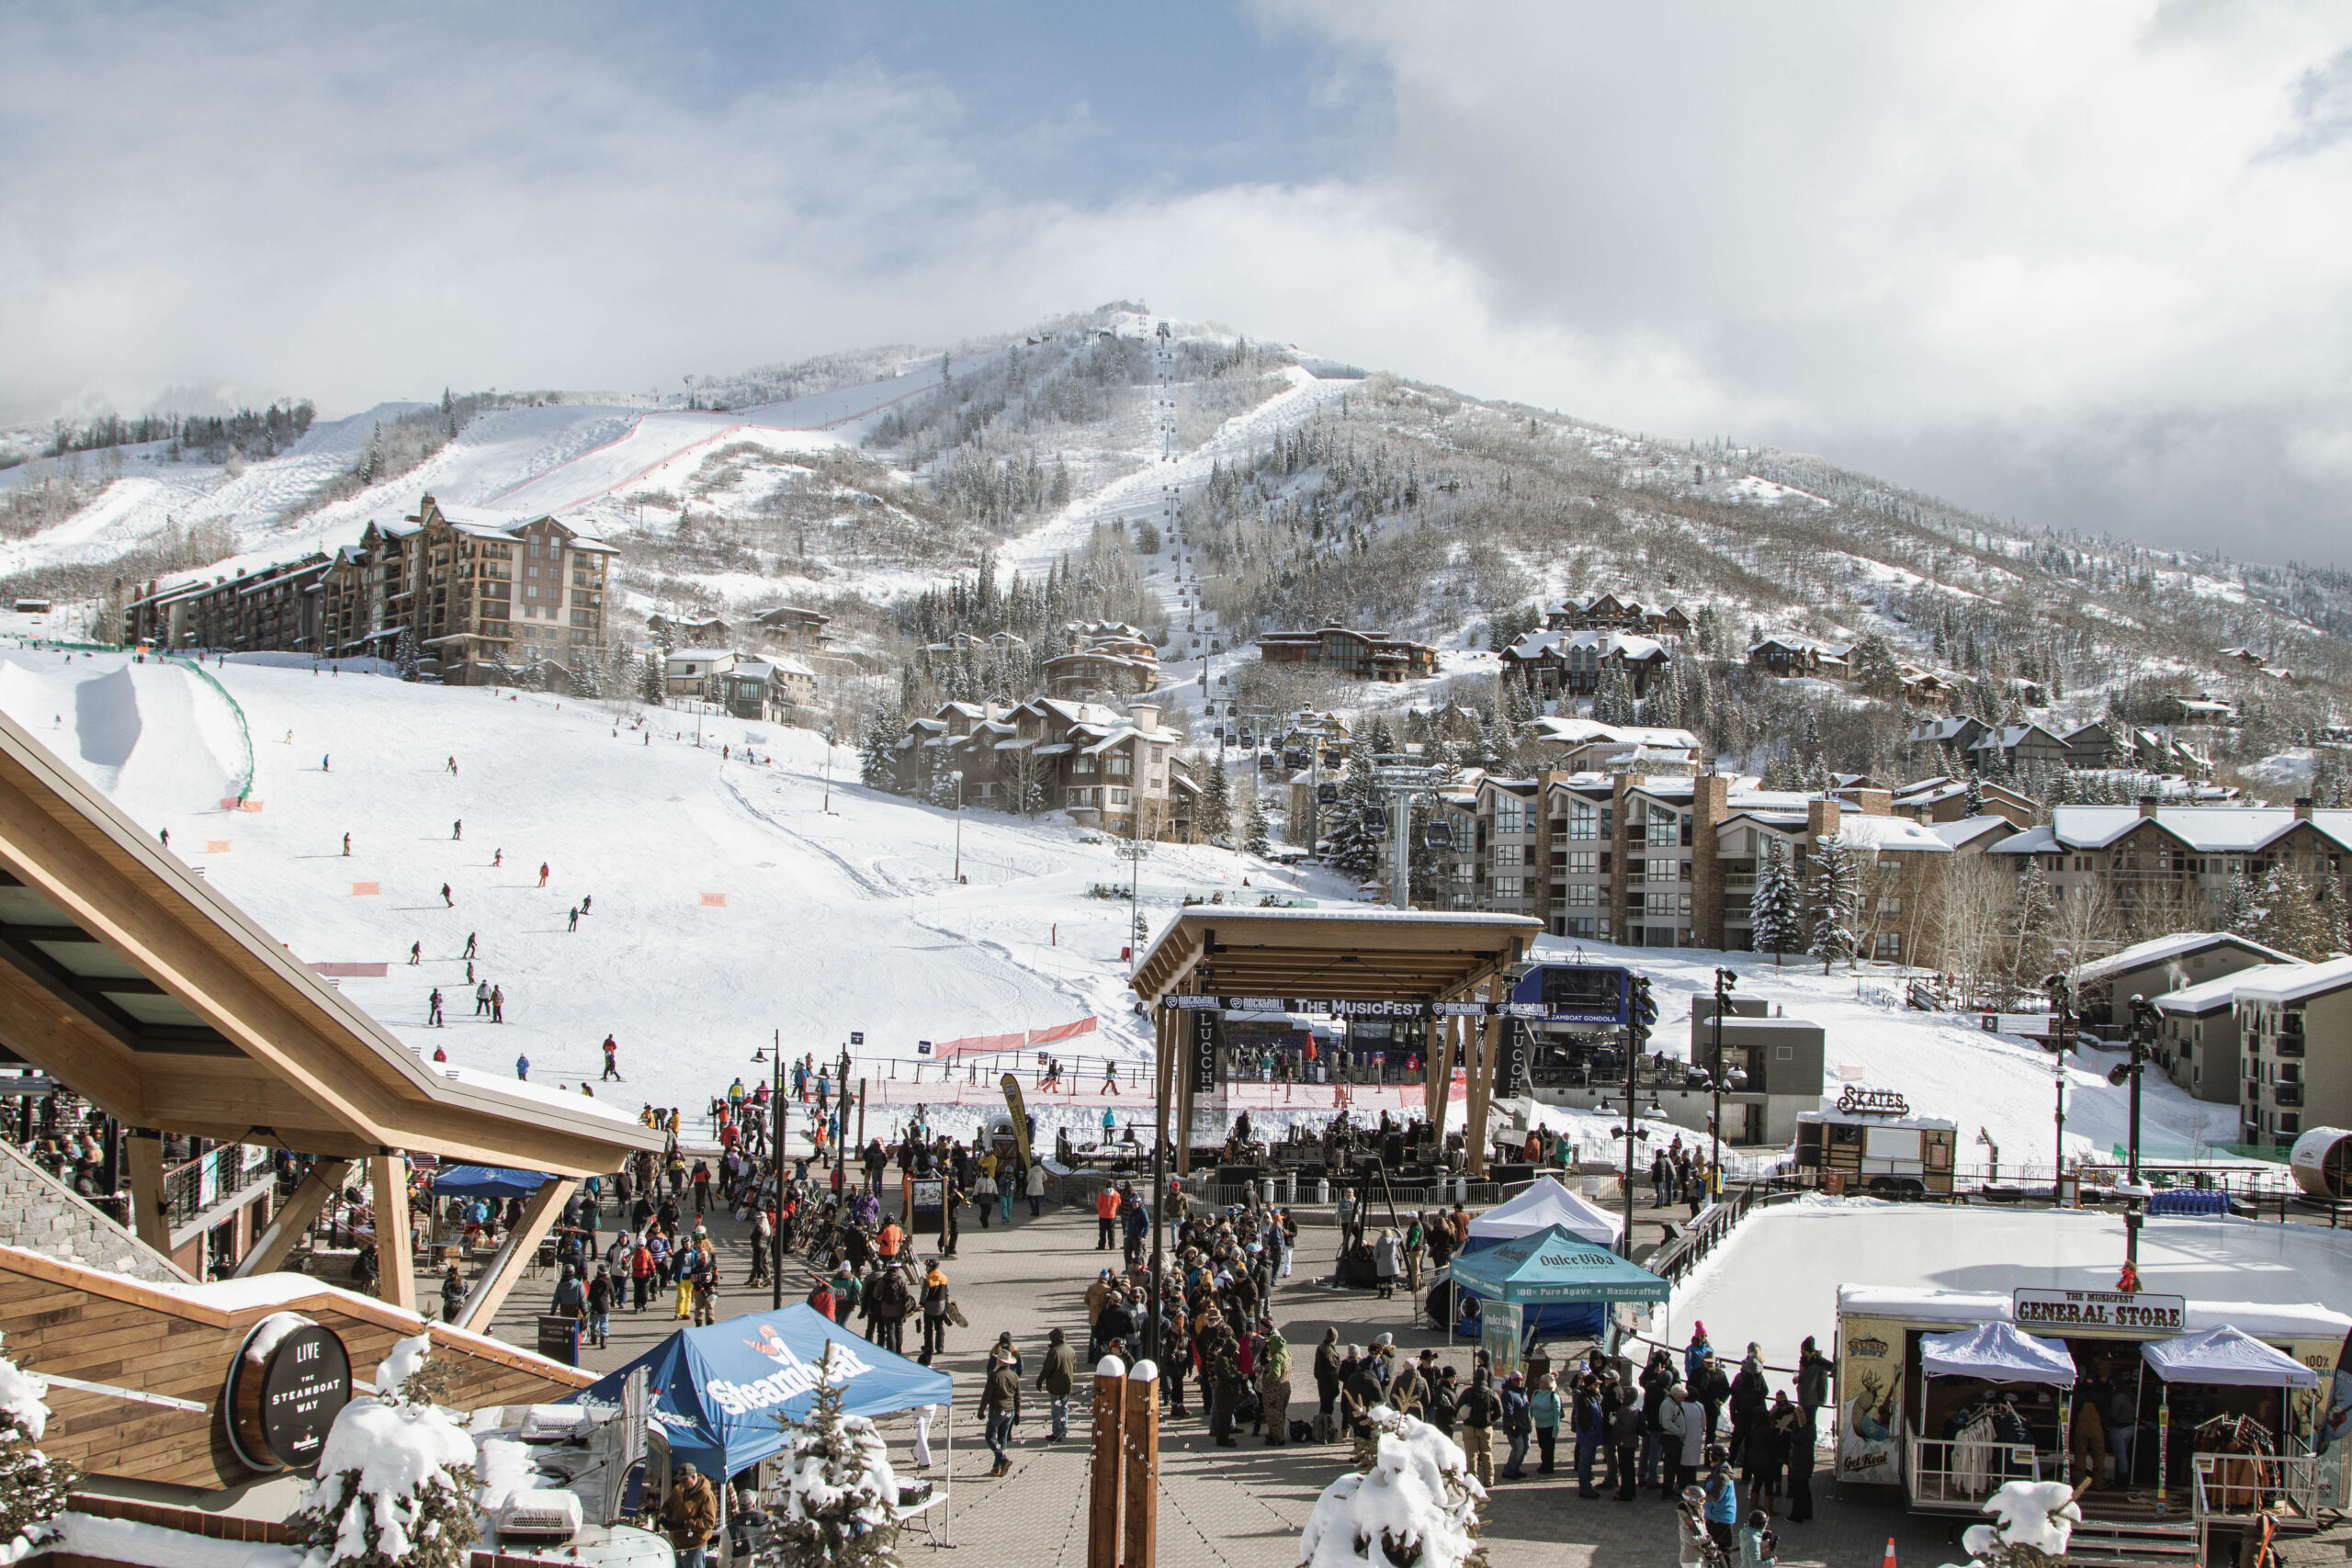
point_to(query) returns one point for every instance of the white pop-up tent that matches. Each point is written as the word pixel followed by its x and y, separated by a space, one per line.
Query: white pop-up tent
pixel 1998 1352
pixel 2227 1357
pixel 1546 1203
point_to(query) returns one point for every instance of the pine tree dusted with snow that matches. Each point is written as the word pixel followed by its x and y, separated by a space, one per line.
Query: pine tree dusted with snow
pixel 1217 803
pixel 33 1486
pixel 2292 921
pixel 406 658
pixel 396 1480
pixel 1413 1504
pixel 1833 901
pixel 841 1499
pixel 1775 910
pixel 652 684
pixel 878 757
pixel 2242 912
pixel 1973 800
pixel 1254 834
pixel 1354 848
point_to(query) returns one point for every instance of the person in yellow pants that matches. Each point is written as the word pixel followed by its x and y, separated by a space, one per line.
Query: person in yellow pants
pixel 686 1303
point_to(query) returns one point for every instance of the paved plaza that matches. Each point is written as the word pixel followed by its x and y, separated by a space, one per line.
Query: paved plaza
pixel 1241 1507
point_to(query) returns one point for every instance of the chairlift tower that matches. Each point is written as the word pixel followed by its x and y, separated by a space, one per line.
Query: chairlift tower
pixel 1397 782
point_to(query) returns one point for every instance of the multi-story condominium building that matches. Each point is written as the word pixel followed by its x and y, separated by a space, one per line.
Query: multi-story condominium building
pixel 2172 867
pixel 2295 1023
pixel 696 671
pixel 1571 663
pixel 1109 770
pixel 1341 651
pixel 276 609
pixel 1588 746
pixel 1108 659
pixel 1793 656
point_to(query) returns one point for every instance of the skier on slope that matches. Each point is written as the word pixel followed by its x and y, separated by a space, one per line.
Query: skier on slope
pixel 523 1068
pixel 612 1062
pixel 447 902
pixel 415 952
pixel 481 999
pixel 469 946
pixel 432 1017
pixel 543 874
pixel 458 828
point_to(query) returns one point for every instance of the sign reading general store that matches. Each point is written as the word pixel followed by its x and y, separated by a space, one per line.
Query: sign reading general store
pixel 2113 1312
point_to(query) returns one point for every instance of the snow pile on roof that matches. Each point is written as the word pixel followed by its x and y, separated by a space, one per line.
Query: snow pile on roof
pixel 24 1396
pixel 1417 1502
pixel 2293 982
pixel 2161 949
pixel 382 1462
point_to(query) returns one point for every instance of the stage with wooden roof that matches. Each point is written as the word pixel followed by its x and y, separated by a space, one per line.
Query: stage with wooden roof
pixel 128 979
pixel 1348 959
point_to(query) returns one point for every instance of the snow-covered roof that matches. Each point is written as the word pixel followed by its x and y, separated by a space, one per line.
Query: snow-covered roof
pixel 1584 731
pixel 2163 949
pixel 1604 644
pixel 2037 840
pixel 2267 1319
pixel 2206 995
pixel 2293 982
pixel 1968 830
pixel 700 655
pixel 2215 829
pixel 1942 730
pixel 1890 833
pixel 1807 645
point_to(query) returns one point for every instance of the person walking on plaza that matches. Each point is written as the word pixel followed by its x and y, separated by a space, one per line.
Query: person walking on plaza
pixel 1327 1386
pixel 935 1306
pixel 692 1513
pixel 1056 1376
pixel 602 1294
pixel 1274 1385
pixel 1628 1438
pixel 1723 1501
pixel 1682 1421
pixel 453 1295
pixel 1000 1407
pixel 1036 1188
pixel 1106 1218
pixel 1544 1411
pixel 1518 1424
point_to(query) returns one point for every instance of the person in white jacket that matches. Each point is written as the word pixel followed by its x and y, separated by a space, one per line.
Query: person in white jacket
pixel 1683 1421
pixel 1036 1188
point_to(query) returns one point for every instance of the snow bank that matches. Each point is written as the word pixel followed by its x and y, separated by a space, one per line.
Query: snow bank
pixel 1418 1494
pixel 24 1395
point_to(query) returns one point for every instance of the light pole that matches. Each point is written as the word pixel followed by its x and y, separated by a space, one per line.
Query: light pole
pixel 1725 983
pixel 959 836
pixel 1641 1014
pixel 776 1171
pixel 2140 1044
pixel 830 741
pixel 2062 1036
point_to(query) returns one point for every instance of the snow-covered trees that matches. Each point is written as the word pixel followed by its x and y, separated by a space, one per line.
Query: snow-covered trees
pixel 2291 919
pixel 840 1497
pixel 652 684
pixel 877 758
pixel 1414 1506
pixel 1025 778
pixel 2241 912
pixel 1217 803
pixel 1354 849
pixel 1254 835
pixel 1774 908
pixel 33 1486
pixel 1834 899
pixel 1613 703
pixel 395 1486
pixel 406 658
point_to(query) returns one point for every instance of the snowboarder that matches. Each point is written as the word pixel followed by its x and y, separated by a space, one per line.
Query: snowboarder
pixel 469 971
pixel 347 846
pixel 543 874
pixel 415 953
pixel 447 902
pixel 498 1004
pixel 434 1017
pixel 458 828
pixel 612 1059
pixel 575 920
pixel 586 899
pixel 469 946
pixel 523 1068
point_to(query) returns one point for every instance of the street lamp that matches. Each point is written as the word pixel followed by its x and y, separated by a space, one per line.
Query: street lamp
pixel 776 1171
pixel 1641 1015
pixel 2062 1036
pixel 959 842
pixel 1725 983
pixel 2139 1044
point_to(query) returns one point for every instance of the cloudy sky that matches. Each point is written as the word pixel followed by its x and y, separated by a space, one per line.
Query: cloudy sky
pixel 2085 265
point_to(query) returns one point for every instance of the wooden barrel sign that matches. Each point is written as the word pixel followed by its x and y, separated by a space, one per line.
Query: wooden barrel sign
pixel 290 1379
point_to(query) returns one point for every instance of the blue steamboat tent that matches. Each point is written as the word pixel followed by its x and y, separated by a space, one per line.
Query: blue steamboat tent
pixel 486 1181
pixel 1554 1265
pixel 722 1392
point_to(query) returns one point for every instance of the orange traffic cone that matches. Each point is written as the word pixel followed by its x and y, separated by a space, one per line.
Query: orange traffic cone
pixel 1890 1553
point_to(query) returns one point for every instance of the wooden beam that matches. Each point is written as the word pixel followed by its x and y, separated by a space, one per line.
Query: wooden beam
pixel 143 1151
pixel 1482 1085
pixel 395 1258
pixel 293 1217
pixel 1142 1439
pixel 1441 1089
pixel 1103 1467
pixel 1163 1083
pixel 505 1270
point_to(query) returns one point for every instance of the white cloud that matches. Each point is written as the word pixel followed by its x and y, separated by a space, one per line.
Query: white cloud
pixel 2087 262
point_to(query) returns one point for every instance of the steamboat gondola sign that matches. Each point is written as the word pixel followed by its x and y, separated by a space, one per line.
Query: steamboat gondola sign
pixel 290 1381
pixel 2112 1311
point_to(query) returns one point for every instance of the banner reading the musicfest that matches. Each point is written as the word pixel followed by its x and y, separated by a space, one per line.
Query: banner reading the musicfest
pixel 1020 1118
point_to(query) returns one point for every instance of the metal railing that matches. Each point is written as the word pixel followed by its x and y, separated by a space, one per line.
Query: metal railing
pixel 1677 1257
pixel 1948 1471
pixel 2229 1485
pixel 192 1188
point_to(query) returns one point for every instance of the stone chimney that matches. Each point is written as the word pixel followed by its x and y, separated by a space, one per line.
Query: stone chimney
pixel 2148 805
pixel 1874 802
pixel 1821 820
pixel 2303 809
pixel 1710 798
pixel 1144 715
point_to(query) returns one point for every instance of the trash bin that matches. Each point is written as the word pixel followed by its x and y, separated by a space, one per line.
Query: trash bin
pixel 1266 1191
pixel 1322 1189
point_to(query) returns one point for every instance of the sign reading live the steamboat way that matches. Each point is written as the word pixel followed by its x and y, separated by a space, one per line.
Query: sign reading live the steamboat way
pixel 290 1379
pixel 2099 1311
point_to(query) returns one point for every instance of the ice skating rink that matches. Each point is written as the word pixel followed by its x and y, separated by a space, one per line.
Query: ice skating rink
pixel 1776 1279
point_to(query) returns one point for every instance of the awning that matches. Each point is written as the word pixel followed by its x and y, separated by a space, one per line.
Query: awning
pixel 2000 1352
pixel 1546 1203
pixel 485 1181
pixel 723 1393
pixel 2227 1357
pixel 1554 1265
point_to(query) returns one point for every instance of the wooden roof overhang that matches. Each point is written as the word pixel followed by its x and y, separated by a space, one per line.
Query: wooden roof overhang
pixel 1391 955
pixel 126 977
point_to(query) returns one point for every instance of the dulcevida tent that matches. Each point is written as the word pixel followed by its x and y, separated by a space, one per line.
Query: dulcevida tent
pixel 1998 1352
pixel 723 1393
pixel 1563 1282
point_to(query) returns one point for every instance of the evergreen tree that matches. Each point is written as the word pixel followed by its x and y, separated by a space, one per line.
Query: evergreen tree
pixel 1255 838
pixel 1353 849
pixel 877 756
pixel 396 1480
pixel 1875 671
pixel 2292 921
pixel 2241 912
pixel 1973 801
pixel 1833 901
pixel 406 658
pixel 652 681
pixel 1613 703
pixel 1774 908
pixel 1217 803
pixel 2036 912
pixel 841 1496
pixel 33 1486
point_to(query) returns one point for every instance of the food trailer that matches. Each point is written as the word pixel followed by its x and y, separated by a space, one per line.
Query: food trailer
pixel 1870 1142
pixel 2227 1405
